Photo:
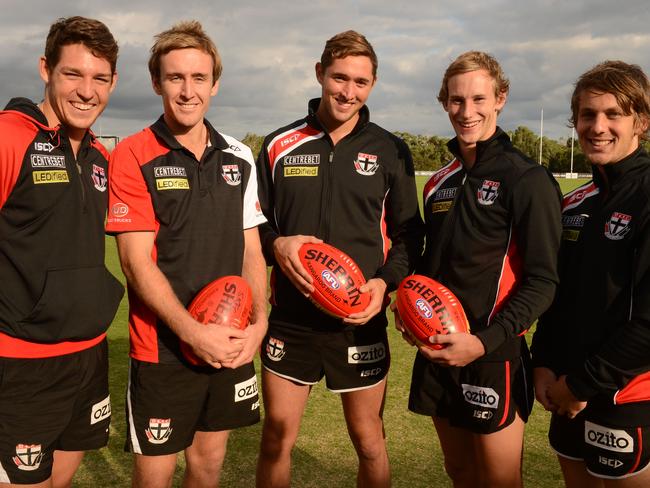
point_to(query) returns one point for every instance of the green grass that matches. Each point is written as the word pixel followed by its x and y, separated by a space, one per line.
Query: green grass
pixel 323 456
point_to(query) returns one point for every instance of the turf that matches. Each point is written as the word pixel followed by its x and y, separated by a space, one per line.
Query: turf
pixel 323 456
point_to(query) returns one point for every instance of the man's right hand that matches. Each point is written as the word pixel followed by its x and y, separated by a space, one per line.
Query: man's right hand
pixel 218 345
pixel 543 378
pixel 286 255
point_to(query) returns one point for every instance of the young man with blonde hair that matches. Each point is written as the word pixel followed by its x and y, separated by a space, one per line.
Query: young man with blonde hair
pixel 354 189
pixel 591 350
pixel 492 234
pixel 185 210
pixel 56 297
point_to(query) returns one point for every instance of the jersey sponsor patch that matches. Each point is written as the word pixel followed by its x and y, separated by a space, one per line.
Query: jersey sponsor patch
pixel 481 396
pixel 28 456
pixel 172 184
pixel 275 349
pixel 169 171
pixel 246 389
pixel 617 226
pixel 301 160
pixel 99 178
pixel 47 161
pixel 366 164
pixel 488 192
pixel 606 438
pixel 570 235
pixel 372 353
pixel 301 171
pixel 43 146
pixel 231 174
pixel 100 410
pixel 441 206
pixel 52 176
pixel 159 430
pixel 445 194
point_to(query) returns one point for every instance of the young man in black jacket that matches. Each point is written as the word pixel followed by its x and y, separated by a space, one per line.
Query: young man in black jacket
pixel 492 234
pixel 337 177
pixel 56 297
pixel 591 350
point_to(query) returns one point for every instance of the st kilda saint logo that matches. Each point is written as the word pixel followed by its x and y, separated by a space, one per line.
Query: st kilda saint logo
pixel 617 226
pixel 488 192
pixel 366 164
pixel 159 430
pixel 28 456
pixel 275 349
pixel 99 177
pixel 231 174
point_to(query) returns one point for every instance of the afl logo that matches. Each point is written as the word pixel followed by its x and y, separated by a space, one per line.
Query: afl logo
pixel 330 279
pixel 120 209
pixel 423 308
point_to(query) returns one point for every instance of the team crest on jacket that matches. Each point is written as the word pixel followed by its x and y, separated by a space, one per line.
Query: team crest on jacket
pixel 488 192
pixel 159 430
pixel 99 177
pixel 275 349
pixel 366 164
pixel 231 174
pixel 617 226
pixel 28 456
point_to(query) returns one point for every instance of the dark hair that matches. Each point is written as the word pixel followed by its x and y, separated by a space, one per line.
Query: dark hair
pixel 80 30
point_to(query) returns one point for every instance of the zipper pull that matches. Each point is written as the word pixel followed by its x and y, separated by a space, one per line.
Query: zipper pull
pixel 331 156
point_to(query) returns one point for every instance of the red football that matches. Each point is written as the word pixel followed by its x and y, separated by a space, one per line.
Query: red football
pixel 336 280
pixel 225 301
pixel 428 308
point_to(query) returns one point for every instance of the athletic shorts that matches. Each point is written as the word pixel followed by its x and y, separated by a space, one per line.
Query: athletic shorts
pixel 167 403
pixel 351 359
pixel 608 452
pixel 47 404
pixel 482 397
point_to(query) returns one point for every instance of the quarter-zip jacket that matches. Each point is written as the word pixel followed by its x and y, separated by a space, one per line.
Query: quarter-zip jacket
pixel 358 195
pixel 54 287
pixel 598 330
pixel 492 236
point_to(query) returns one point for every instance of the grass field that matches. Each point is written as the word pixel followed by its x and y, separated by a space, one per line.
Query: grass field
pixel 323 456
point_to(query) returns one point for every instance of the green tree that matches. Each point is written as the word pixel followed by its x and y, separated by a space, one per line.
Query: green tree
pixel 254 142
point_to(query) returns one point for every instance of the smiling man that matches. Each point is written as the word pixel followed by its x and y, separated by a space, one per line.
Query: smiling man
pixel 185 210
pixel 591 349
pixel 56 297
pixel 337 177
pixel 492 220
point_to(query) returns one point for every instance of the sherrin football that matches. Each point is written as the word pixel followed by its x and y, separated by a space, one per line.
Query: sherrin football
pixel 336 280
pixel 225 301
pixel 428 308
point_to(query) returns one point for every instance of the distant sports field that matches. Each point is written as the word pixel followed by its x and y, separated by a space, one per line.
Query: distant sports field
pixel 323 456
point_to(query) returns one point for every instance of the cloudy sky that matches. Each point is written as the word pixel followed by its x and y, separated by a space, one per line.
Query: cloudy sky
pixel 269 48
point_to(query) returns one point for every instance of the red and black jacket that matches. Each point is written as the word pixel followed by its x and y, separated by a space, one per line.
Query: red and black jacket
pixel 598 330
pixel 358 196
pixel 198 211
pixel 56 295
pixel 492 236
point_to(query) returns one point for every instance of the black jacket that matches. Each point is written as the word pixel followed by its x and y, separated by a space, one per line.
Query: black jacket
pixel 54 286
pixel 598 329
pixel 492 235
pixel 358 196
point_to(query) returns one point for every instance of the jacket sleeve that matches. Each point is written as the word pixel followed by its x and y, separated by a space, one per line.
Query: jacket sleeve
pixel 537 228
pixel 626 352
pixel 268 230
pixel 403 221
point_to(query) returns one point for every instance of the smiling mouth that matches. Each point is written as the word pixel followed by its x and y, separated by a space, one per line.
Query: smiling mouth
pixel 601 142
pixel 469 125
pixel 84 107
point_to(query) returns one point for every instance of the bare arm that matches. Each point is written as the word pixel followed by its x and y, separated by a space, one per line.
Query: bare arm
pixel 212 343
pixel 254 272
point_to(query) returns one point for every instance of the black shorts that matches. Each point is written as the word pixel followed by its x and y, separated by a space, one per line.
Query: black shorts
pixel 59 403
pixel 355 358
pixel 167 403
pixel 608 452
pixel 482 397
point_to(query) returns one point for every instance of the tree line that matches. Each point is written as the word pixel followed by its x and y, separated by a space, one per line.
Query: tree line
pixel 430 152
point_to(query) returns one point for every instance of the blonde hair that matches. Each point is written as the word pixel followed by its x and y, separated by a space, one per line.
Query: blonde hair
pixel 474 61
pixel 348 43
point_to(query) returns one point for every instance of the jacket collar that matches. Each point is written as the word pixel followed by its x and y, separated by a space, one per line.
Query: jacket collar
pixel 161 129
pixel 364 116
pixel 485 150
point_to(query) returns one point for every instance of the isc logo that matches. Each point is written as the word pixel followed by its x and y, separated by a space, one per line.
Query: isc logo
pixel 370 372
pixel 289 140
pixel 43 146
pixel 330 279
pixel 613 463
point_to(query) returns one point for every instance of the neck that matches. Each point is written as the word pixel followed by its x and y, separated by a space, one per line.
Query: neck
pixel 189 137
pixel 468 154
pixel 74 135
pixel 336 130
